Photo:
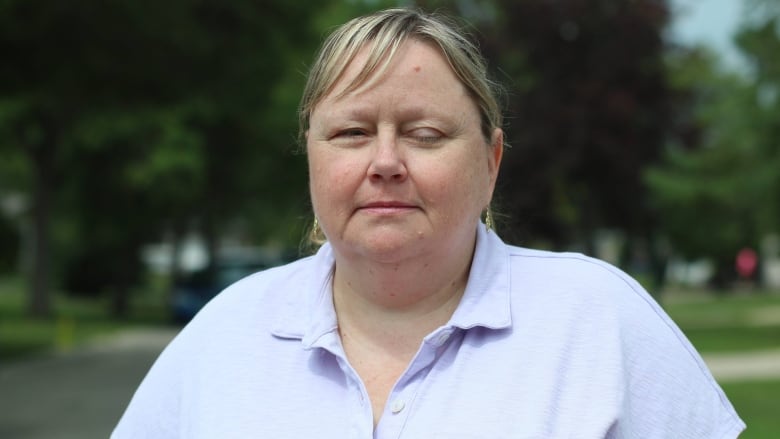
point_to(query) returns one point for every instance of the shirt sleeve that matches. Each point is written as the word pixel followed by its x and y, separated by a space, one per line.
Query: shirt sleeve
pixel 669 391
pixel 154 411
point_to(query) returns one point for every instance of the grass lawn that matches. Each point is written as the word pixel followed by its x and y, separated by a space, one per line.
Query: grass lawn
pixel 757 404
pixel 734 338
pixel 73 320
pixel 729 323
pixel 734 323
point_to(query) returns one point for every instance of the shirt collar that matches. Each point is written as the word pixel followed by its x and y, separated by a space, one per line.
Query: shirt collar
pixel 309 314
pixel 487 299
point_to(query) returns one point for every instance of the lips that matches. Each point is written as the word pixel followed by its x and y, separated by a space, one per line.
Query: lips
pixel 387 207
pixel 387 204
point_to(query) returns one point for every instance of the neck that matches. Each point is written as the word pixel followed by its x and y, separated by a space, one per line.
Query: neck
pixel 399 302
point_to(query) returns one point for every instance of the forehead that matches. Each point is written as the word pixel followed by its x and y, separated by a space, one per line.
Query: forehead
pixel 414 69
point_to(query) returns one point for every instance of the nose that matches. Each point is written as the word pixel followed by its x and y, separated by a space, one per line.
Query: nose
pixel 387 162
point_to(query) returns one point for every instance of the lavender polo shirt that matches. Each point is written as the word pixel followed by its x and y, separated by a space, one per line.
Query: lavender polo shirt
pixel 542 345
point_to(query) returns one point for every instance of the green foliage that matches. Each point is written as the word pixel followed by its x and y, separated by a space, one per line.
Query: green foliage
pixel 137 117
pixel 587 107
pixel 9 245
pixel 73 321
pixel 143 117
pixel 718 189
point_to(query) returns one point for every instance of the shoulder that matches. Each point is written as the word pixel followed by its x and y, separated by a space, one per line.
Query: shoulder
pixel 236 322
pixel 226 347
pixel 575 264
pixel 588 291
pixel 592 304
pixel 573 276
pixel 272 281
pixel 591 309
pixel 256 299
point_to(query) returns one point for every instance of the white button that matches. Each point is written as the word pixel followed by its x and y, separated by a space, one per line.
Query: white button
pixel 443 338
pixel 397 406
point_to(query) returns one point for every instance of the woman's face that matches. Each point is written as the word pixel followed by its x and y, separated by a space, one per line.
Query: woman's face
pixel 401 169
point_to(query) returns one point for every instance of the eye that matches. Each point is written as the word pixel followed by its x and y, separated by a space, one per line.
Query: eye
pixel 426 135
pixel 349 136
pixel 351 132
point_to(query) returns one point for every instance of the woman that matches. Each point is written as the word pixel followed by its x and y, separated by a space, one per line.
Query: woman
pixel 414 320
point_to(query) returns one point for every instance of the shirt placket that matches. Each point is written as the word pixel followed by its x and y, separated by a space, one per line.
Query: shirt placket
pixel 356 404
pixel 400 403
pixel 361 418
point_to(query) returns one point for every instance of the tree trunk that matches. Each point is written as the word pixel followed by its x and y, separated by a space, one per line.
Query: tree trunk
pixel 177 233
pixel 120 303
pixel 175 275
pixel 39 304
pixel 212 240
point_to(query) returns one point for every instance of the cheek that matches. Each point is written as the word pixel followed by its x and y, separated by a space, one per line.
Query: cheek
pixel 332 178
pixel 464 185
pixel 453 185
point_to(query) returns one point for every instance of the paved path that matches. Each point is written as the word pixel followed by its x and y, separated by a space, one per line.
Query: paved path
pixel 78 395
pixel 744 366
pixel 82 394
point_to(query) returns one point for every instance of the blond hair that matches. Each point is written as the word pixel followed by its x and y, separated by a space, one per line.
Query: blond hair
pixel 382 33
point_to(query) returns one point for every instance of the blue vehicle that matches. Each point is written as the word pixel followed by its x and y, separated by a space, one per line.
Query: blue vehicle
pixel 200 286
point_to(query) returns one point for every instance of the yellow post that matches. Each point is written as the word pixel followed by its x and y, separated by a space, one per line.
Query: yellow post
pixel 66 327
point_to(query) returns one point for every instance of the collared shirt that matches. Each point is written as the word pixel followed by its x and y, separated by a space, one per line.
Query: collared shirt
pixel 542 345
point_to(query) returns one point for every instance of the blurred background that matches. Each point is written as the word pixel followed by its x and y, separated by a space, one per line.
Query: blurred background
pixel 149 157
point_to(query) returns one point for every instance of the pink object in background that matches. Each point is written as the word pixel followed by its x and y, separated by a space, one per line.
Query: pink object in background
pixel 747 261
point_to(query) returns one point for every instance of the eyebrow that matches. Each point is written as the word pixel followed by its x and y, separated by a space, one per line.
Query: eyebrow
pixel 412 111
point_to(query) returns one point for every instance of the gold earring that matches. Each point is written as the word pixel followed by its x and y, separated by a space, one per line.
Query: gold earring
pixel 489 220
pixel 316 236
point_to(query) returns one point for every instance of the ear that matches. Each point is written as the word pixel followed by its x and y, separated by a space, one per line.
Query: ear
pixel 495 154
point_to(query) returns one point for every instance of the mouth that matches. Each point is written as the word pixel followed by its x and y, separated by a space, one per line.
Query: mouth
pixel 387 207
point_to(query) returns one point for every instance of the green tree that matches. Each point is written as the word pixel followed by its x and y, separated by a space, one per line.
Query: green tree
pixel 13 182
pixel 135 116
pixel 759 40
pixel 588 110
pixel 718 189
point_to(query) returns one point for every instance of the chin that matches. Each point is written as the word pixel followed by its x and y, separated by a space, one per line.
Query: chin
pixel 387 247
